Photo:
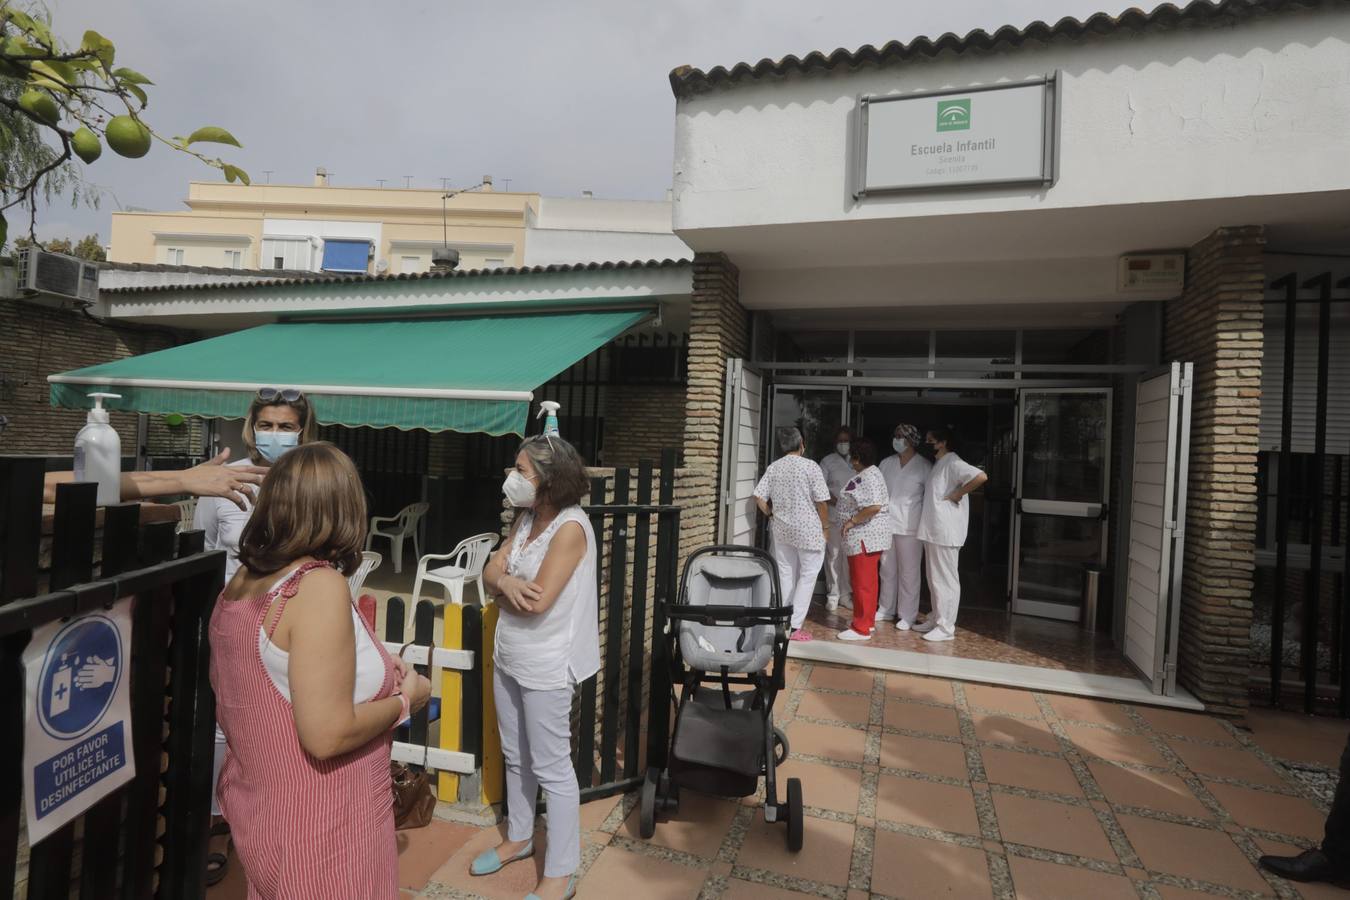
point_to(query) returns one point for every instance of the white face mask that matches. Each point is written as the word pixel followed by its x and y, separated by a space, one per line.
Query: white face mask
pixel 900 445
pixel 272 445
pixel 519 490
pixel 842 449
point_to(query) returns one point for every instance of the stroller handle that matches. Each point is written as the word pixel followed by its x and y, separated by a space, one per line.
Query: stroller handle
pixel 721 614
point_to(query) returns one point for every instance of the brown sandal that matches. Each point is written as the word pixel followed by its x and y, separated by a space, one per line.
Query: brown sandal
pixel 217 863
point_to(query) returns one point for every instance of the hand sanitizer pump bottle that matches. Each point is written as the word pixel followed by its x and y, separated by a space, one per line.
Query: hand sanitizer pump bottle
pixel 549 409
pixel 98 453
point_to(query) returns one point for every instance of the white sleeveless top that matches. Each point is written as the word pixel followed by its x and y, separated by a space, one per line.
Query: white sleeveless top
pixel 561 647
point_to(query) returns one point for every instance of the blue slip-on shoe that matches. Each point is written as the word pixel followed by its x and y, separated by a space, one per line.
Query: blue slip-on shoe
pixel 571 890
pixel 489 862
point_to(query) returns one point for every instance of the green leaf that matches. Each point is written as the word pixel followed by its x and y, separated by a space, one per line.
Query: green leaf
pixel 37 28
pixel 139 94
pixel 43 81
pixel 234 173
pixel 212 135
pixel 130 76
pixel 99 46
pixel 55 70
pixel 4 229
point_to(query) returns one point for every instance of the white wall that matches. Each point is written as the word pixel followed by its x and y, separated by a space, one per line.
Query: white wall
pixel 568 230
pixel 1260 108
pixel 318 230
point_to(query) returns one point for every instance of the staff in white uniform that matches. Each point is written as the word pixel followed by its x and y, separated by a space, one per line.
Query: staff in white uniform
pixel 793 495
pixel 946 516
pixel 278 420
pixel 838 473
pixel 548 642
pixel 906 475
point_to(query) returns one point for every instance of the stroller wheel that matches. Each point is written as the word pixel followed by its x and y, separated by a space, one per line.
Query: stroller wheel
pixel 795 823
pixel 647 810
pixel 780 747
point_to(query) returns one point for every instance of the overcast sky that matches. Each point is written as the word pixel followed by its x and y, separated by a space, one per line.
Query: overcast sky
pixel 558 97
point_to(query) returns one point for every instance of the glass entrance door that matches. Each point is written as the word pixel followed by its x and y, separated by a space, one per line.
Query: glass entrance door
pixel 818 412
pixel 1063 482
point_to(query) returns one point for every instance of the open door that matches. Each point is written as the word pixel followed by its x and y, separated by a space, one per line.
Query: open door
pixel 743 409
pixel 1162 426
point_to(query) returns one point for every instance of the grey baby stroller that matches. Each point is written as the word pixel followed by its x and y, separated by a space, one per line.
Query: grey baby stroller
pixel 727 647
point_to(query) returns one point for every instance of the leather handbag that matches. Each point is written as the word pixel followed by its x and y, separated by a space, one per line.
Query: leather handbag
pixel 414 803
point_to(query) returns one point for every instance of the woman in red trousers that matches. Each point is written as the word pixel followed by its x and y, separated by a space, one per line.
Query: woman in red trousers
pixel 867 533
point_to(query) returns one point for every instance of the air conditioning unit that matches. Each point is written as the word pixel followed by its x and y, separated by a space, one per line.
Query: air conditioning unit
pixel 56 275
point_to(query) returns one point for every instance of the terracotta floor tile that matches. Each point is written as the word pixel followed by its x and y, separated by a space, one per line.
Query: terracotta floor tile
pixel 840 678
pixel 839 707
pixel 1017 732
pixel 698 827
pixel 617 871
pixel 594 814
pixel 1150 790
pixel 511 883
pixel 1036 773
pixel 745 890
pixel 829 741
pixel 1052 826
pixel 916 687
pixel 1085 709
pixel 917 717
pixel 826 853
pixel 1190 852
pixel 921 755
pixel 1036 880
pixel 826 787
pixel 927 804
pixel 1299 738
pixel 1194 725
pixel 1226 762
pixel 421 851
pixel 1167 892
pixel 907 866
pixel 1127 748
pixel 1001 699
pixel 1270 812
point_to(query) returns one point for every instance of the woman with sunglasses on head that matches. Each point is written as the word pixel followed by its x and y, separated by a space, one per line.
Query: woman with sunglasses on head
pixel 278 420
pixel 547 643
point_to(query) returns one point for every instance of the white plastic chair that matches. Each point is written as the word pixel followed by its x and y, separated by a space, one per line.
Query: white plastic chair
pixel 468 560
pixel 187 511
pixel 370 560
pixel 404 525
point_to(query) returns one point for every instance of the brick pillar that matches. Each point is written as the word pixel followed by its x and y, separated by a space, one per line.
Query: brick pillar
pixel 719 329
pixel 1217 325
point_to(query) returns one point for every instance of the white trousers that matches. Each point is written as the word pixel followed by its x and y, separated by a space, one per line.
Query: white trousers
pixel 797 571
pixel 536 732
pixel 944 582
pixel 837 584
pixel 901 577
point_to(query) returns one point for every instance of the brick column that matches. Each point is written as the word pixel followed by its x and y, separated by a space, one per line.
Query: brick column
pixel 1217 325
pixel 719 329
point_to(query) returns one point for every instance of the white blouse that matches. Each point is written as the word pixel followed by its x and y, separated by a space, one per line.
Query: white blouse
pixel 945 523
pixel 560 647
pixel 838 472
pixel 223 523
pixel 905 483
pixel 866 488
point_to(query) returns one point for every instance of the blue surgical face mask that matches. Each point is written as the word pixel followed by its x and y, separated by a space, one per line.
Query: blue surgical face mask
pixel 272 445
pixel 899 445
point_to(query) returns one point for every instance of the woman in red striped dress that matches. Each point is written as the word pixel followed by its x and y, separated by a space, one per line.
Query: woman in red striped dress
pixel 306 694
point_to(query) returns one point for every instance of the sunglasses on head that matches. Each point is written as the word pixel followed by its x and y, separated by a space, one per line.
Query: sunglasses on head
pixel 271 394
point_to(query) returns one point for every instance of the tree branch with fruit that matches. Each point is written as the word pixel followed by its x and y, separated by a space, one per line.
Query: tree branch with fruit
pixel 78 100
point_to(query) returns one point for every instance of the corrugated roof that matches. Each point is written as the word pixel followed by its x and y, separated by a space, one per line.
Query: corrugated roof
pixel 687 80
pixel 324 278
pixel 208 270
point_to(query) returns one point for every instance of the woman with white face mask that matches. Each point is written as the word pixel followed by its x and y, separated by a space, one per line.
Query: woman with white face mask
pixel 547 643
pixel 906 475
pixel 278 420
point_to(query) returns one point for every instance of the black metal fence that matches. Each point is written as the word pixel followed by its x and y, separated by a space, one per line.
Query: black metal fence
pixel 1301 601
pixel 149 838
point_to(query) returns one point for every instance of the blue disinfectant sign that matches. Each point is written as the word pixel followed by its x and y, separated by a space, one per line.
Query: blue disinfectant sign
pixel 77 743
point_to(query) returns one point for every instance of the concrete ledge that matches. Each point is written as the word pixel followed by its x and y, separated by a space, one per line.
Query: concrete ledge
pixel 1058 681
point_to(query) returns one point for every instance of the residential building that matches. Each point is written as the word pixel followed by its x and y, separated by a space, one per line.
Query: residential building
pixel 565 230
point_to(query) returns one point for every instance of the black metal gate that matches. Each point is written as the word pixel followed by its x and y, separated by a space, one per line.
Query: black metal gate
pixel 1301 597
pixel 149 838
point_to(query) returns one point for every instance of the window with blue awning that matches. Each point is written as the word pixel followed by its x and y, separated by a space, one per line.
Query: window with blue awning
pixel 345 256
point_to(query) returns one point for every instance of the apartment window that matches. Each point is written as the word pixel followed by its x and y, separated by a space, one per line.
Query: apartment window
pixel 345 255
pixel 288 253
pixel 278 262
pixel 410 265
pixel 234 259
pixel 493 263
pixel 173 256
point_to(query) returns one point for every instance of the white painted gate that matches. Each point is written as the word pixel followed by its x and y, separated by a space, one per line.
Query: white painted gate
pixel 1162 424
pixel 740 453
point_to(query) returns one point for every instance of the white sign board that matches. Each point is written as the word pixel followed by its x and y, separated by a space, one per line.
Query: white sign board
pixel 1152 272
pixel 986 136
pixel 77 720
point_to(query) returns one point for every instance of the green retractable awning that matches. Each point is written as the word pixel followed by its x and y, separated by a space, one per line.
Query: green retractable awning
pixel 452 374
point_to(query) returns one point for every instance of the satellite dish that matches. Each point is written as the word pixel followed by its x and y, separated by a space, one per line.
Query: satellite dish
pixel 382 267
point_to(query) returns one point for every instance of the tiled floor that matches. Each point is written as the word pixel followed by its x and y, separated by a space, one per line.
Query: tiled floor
pixel 923 788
